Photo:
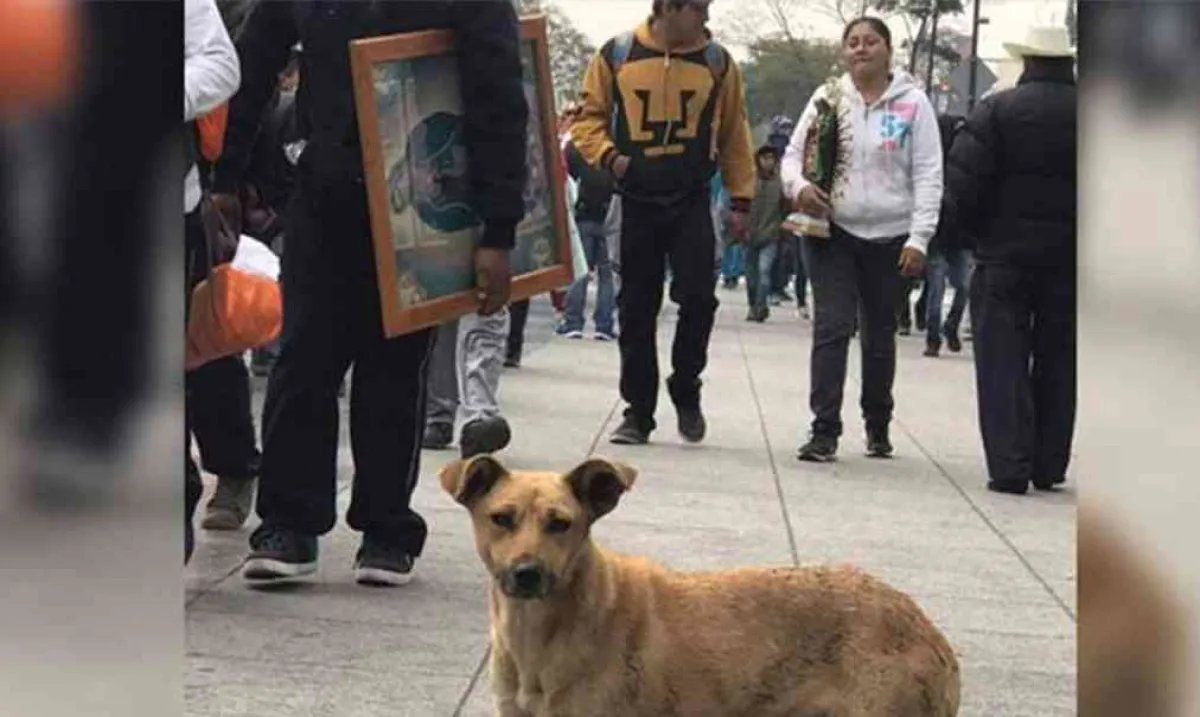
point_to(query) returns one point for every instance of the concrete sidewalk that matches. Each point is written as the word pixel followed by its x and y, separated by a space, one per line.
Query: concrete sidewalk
pixel 997 573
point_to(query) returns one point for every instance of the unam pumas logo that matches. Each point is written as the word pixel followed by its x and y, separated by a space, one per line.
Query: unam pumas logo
pixel 662 121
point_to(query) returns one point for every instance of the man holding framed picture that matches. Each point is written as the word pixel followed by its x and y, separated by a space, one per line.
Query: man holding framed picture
pixel 332 308
pixel 663 110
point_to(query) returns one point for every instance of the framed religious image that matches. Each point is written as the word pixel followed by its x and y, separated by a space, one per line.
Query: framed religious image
pixel 416 164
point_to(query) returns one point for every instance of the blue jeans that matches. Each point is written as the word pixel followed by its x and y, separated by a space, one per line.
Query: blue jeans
pixel 759 260
pixel 595 248
pixel 954 267
pixel 731 261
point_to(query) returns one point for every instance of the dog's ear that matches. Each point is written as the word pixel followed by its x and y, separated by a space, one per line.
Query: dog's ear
pixel 468 481
pixel 598 484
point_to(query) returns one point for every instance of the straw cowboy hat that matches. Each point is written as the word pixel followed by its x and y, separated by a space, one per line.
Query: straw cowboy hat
pixel 1042 42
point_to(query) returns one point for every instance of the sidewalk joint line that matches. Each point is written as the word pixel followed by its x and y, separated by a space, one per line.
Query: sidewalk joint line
pixel 762 423
pixel 466 696
pixel 988 522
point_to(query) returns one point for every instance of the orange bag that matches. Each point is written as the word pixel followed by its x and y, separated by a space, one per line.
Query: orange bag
pixel 232 311
pixel 211 128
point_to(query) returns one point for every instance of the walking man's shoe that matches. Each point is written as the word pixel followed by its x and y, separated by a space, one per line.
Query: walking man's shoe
pixel 953 342
pixel 692 426
pixel 630 433
pixel 1048 484
pixel 279 555
pixel 932 349
pixel 484 435
pixel 878 443
pixel 230 505
pixel 819 449
pixel 438 436
pixel 380 565
pixel 1011 487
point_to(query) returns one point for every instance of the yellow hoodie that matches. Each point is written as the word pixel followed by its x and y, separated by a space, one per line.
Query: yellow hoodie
pixel 674 118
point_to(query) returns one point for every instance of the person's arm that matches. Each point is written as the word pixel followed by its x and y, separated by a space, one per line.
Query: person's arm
pixel 971 169
pixel 791 168
pixel 496 115
pixel 734 148
pixel 926 176
pixel 591 130
pixel 211 73
pixel 264 46
pixel 575 162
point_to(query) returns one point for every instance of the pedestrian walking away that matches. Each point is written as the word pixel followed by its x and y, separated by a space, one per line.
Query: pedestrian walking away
pixel 883 210
pixel 1012 184
pixel 662 165
pixel 332 313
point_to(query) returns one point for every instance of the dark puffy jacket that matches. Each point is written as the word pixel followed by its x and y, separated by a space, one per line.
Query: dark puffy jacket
pixel 1011 171
pixel 949 237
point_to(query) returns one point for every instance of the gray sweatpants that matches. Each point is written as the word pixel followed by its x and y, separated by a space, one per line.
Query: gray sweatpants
pixel 468 357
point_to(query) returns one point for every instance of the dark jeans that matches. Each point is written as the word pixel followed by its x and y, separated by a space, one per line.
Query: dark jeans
pixel 848 272
pixel 216 396
pixel 650 236
pixel 332 321
pixel 954 268
pixel 519 315
pixel 1023 321
pixel 759 261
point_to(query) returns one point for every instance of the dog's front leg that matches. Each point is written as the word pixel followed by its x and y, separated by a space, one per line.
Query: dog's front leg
pixel 506 685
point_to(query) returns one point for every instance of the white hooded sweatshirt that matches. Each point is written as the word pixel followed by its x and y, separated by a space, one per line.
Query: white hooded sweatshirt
pixel 891 182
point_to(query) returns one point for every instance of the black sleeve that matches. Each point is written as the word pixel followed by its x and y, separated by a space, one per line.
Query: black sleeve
pixel 576 164
pixel 496 114
pixel 264 46
pixel 972 168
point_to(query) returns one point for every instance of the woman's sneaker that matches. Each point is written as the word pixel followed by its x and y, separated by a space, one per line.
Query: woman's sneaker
pixel 819 449
pixel 279 555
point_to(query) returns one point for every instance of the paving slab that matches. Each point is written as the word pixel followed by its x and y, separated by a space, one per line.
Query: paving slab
pixel 997 573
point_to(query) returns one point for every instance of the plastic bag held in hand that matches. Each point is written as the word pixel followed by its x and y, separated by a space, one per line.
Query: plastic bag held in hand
pixel 237 308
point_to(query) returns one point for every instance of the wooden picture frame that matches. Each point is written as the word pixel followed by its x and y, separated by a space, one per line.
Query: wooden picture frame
pixel 408 100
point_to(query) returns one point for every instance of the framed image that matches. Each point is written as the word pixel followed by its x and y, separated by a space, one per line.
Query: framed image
pixel 423 223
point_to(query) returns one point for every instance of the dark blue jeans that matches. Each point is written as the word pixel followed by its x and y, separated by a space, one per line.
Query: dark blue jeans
pixel 595 248
pixel 954 267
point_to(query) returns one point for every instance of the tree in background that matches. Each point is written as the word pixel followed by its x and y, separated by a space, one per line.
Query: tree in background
pixel 782 74
pixel 570 50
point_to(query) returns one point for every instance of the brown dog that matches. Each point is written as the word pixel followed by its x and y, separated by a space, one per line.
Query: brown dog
pixel 580 632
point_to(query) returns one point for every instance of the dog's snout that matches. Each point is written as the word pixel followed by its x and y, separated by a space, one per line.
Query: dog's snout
pixel 527 580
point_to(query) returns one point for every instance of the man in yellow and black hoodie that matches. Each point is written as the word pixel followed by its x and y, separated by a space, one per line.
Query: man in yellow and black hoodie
pixel 662 111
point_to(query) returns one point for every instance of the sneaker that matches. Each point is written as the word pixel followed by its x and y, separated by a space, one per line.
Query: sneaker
pixel 438 436
pixel 692 425
pixel 380 565
pixel 512 362
pixel 484 435
pixel 775 300
pixel 630 433
pixel 230 505
pixel 878 444
pixel 569 333
pixel 905 330
pixel 953 342
pixel 819 449
pixel 933 348
pixel 802 312
pixel 279 554
pixel 605 336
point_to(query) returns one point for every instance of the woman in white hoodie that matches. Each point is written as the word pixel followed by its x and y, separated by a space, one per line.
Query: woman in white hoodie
pixel 883 209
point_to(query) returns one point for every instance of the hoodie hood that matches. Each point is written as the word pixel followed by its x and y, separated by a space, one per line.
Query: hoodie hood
pixel 902 83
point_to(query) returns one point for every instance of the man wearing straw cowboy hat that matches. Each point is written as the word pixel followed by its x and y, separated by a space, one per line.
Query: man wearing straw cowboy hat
pixel 1011 182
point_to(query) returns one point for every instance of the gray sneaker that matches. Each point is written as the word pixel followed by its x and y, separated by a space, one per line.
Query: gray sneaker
pixel 230 504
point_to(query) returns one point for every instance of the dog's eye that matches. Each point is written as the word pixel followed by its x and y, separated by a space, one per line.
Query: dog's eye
pixel 504 520
pixel 558 525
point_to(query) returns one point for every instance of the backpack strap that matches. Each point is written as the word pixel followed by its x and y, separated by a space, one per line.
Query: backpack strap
pixel 718 62
pixel 621 46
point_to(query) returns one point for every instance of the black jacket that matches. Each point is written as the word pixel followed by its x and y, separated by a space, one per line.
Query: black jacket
pixel 595 187
pixel 490 68
pixel 1011 171
pixel 949 237
pixel 269 169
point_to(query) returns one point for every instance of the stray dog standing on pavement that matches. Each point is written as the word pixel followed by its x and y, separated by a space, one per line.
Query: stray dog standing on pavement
pixel 579 631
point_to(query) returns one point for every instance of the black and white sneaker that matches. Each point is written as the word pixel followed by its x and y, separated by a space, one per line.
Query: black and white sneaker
pixel 630 433
pixel 879 445
pixel 380 565
pixel 692 426
pixel 279 555
pixel 819 449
